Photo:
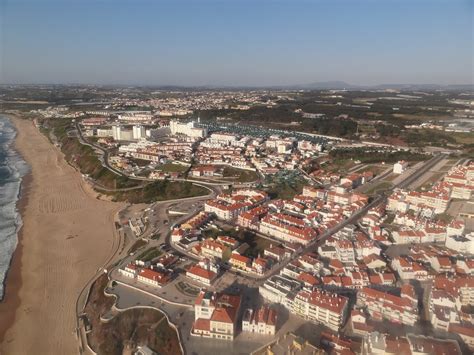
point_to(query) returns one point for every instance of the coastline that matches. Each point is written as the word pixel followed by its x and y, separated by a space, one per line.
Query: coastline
pixel 13 280
pixel 56 251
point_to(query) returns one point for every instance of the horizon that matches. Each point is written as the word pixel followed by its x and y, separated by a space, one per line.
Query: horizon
pixel 338 85
pixel 215 43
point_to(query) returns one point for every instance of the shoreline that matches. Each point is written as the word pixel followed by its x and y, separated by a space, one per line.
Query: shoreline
pixel 66 233
pixel 13 281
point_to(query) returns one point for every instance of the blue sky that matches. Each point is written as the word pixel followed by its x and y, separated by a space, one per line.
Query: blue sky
pixel 240 42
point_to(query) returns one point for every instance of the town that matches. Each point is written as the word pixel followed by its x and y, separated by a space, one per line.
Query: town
pixel 351 262
pixel 280 248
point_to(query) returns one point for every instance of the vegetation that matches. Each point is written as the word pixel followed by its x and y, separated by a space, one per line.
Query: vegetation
pixel 257 245
pixel 85 159
pixel 241 175
pixel 284 185
pixel 285 190
pixel 339 127
pixel 137 245
pixel 149 254
pixel 423 137
pixel 161 190
pixel 127 329
pixel 187 289
pixel 173 168
pixel 365 155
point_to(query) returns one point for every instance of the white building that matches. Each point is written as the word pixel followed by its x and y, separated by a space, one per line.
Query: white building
pixel 121 134
pixel 321 307
pixel 201 274
pixel 215 315
pixel 188 129
pixel 277 288
pixel 102 132
pixel 138 132
pixel 261 321
pixel 460 243
pixel 136 117
pixel 400 167
pixel 130 270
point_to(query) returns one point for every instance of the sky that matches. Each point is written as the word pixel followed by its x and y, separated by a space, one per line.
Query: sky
pixel 236 42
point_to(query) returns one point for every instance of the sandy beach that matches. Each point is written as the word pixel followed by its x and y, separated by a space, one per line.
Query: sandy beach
pixel 67 235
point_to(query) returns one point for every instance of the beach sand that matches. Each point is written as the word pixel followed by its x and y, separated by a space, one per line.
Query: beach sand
pixel 67 235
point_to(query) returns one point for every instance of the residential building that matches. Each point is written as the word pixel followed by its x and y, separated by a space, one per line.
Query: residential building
pixel 383 305
pixel 262 321
pixel 215 315
pixel 321 307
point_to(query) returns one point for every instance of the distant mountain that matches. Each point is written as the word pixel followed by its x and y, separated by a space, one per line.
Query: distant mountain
pixel 327 85
pixel 423 87
pixel 341 85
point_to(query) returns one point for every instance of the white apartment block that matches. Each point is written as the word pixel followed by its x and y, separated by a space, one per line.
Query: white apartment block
pixel 188 129
pixel 321 307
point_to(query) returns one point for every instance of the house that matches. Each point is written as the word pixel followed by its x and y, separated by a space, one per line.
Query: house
pixel 153 277
pixel 214 249
pixel 260 265
pixel 239 261
pixel 130 270
pixel 201 274
pixel 275 252
pixel 262 321
pixel 374 261
pixel 358 322
pixel 203 171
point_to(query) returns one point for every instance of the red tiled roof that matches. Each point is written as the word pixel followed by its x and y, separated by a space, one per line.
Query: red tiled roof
pixel 202 324
pixel 203 273
pixel 240 258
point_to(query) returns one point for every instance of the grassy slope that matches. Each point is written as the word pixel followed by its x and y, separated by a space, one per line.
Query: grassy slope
pixel 160 191
pixel 85 159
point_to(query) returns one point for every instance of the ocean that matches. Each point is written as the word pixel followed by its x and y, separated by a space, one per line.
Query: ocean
pixel 12 170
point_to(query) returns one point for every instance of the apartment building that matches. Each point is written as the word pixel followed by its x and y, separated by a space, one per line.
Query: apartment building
pixel 321 307
pixel 287 228
pixel 187 128
pixel 278 287
pixel 409 270
pixel 381 305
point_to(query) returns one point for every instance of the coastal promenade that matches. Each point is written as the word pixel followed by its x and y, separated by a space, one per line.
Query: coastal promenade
pixel 67 235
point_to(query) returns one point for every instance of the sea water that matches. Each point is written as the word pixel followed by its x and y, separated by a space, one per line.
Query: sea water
pixel 12 170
